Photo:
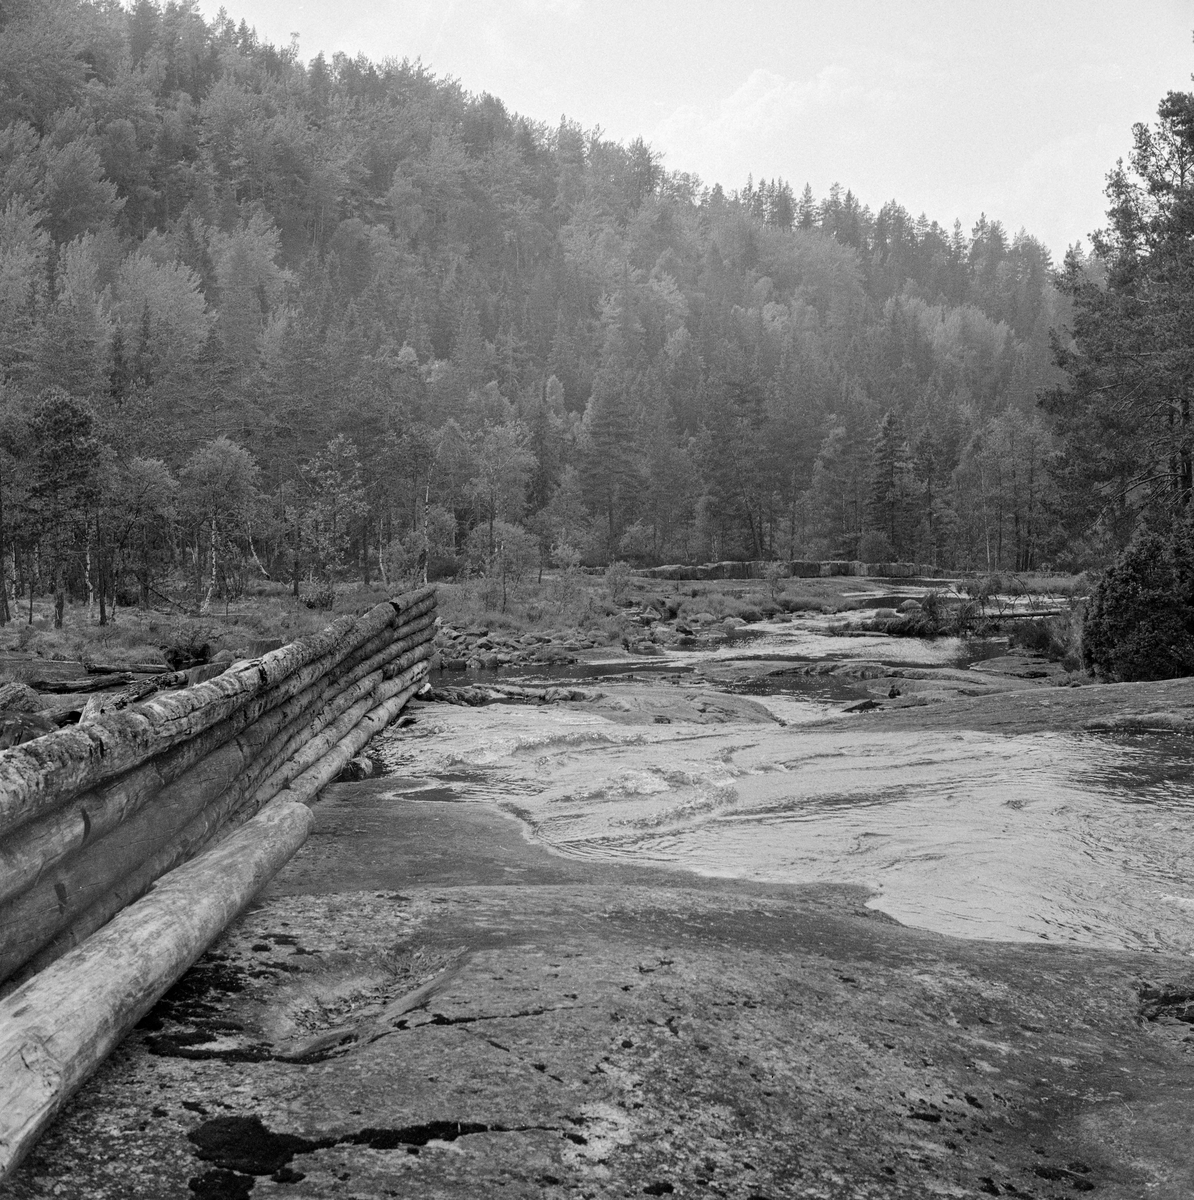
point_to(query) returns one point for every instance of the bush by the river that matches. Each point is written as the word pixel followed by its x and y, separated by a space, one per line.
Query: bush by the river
pixel 1140 620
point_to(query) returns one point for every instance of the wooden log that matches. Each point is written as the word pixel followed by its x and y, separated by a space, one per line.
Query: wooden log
pixel 308 785
pixel 38 844
pixel 38 775
pixel 59 887
pixel 417 633
pixel 57 1028
pixel 299 758
pixel 215 821
pixel 344 708
pixel 36 778
pixel 91 683
pixel 363 1033
pixel 291 753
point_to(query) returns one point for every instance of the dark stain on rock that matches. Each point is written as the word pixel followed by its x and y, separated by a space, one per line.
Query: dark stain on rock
pixel 418 1135
pixel 221 1185
pixel 193 1045
pixel 243 1147
pixel 245 1144
pixel 189 998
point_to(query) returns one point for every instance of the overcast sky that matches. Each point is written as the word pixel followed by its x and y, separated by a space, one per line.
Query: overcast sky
pixel 951 107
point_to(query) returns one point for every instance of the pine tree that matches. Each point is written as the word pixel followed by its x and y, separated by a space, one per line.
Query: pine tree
pixel 892 487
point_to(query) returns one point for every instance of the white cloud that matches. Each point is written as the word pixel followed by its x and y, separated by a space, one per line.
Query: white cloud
pixel 765 107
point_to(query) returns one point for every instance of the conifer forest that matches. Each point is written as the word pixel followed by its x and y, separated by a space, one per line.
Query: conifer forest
pixel 261 318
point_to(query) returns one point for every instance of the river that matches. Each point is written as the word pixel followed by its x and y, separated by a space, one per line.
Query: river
pixel 706 760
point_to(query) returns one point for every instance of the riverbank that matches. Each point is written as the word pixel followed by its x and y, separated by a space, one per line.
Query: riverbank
pixel 425 1004
pixel 429 1003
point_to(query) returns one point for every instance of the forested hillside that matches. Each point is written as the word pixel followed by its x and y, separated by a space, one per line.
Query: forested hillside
pixel 261 317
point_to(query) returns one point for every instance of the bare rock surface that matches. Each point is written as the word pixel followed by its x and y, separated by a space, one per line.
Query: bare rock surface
pixel 426 1005
pixel 1165 706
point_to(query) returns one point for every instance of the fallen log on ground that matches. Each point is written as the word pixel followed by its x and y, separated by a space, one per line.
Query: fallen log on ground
pixel 90 683
pixel 60 1025
pixel 474 695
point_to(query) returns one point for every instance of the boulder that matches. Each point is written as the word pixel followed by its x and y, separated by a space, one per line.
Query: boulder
pixel 356 769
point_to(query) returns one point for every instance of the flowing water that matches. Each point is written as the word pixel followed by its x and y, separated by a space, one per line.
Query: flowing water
pixel 1062 837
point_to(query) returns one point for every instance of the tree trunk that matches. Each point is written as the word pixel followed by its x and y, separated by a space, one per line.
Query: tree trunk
pixel 5 613
pixel 101 564
pixel 87 583
pixel 1187 465
pixel 211 579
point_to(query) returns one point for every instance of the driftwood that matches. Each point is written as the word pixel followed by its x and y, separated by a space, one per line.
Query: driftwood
pixel 135 693
pixel 60 1025
pixel 94 818
pixel 308 785
pixel 381 1024
pixel 39 775
pixel 93 814
pixel 39 778
pixel 90 683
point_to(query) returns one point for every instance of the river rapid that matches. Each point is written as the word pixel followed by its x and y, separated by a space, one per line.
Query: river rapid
pixel 711 762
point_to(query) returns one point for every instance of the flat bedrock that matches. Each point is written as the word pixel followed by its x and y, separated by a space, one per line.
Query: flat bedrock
pixel 603 1030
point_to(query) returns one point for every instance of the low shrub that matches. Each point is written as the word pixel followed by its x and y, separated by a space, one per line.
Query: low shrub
pixel 1139 623
pixel 1039 635
pixel 799 604
pixel 189 642
pixel 320 596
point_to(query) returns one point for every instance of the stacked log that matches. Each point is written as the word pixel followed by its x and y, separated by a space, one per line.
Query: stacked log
pixel 92 817
pixel 794 569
